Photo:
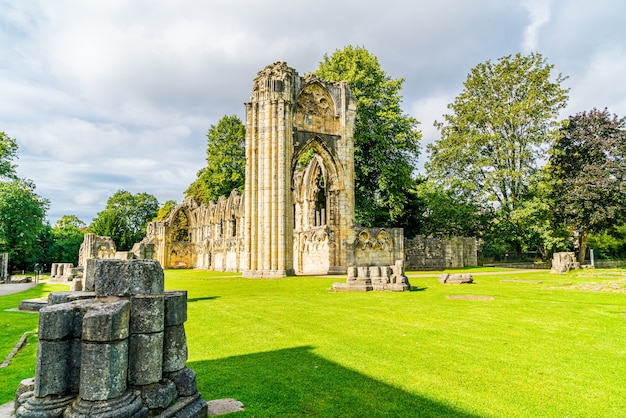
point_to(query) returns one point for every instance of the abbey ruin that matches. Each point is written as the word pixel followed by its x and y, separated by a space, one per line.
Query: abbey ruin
pixel 296 215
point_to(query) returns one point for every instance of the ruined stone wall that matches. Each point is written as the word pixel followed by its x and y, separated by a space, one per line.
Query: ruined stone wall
pixel 426 253
pixel 95 246
pixel 377 247
pixel 199 235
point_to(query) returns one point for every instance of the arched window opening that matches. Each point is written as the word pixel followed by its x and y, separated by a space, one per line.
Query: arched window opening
pixel 180 228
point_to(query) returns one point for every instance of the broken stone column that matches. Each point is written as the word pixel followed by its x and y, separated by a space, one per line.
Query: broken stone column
pixel 54 270
pixel 57 372
pixel 120 353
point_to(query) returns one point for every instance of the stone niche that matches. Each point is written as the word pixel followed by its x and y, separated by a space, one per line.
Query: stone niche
pixel 119 351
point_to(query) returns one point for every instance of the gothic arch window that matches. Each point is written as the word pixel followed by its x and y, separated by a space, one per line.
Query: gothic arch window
pixel 180 227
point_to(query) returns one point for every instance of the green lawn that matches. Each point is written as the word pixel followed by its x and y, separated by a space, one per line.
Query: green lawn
pixel 525 344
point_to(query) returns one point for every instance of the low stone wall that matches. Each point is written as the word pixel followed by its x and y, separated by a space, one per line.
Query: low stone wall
pixel 427 253
pixel 528 265
pixel 607 264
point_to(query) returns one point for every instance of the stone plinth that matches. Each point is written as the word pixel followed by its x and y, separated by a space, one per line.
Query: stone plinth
pixel 379 278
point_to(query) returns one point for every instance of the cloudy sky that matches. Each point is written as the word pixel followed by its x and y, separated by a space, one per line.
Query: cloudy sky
pixel 103 95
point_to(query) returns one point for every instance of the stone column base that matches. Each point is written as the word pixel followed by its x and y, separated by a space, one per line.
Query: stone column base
pixel 30 406
pixel 129 405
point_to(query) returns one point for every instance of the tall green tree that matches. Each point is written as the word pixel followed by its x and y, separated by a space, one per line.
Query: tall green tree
pixel 125 218
pixel 68 234
pixel 22 214
pixel 441 212
pixel 226 161
pixel 8 152
pixel 588 167
pixel 165 210
pixel 498 129
pixel 386 140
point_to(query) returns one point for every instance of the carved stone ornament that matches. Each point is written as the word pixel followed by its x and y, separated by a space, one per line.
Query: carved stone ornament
pixel 314 100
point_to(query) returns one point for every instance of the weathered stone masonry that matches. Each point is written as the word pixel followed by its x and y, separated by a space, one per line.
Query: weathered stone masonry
pixel 297 214
pixel 118 350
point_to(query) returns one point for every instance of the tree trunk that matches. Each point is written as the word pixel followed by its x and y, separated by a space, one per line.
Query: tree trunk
pixel 582 240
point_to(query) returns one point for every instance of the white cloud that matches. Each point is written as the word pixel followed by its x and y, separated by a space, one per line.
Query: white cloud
pixel 427 111
pixel 107 95
pixel 539 13
pixel 599 85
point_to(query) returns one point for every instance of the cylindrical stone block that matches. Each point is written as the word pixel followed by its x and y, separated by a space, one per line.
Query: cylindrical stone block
pixel 146 314
pixel 174 348
pixel 52 367
pixel 132 277
pixel 146 277
pixel 103 370
pixel 107 322
pixel 175 307
pixel 145 358
pixel 362 272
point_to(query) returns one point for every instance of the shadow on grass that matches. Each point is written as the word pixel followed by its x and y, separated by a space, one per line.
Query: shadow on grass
pixel 296 382
pixel 204 298
pixel 418 289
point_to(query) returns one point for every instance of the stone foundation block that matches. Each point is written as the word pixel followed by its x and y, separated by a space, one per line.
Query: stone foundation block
pixel 26 385
pixel 174 348
pixel 145 358
pixel 175 307
pixel 456 278
pixel 189 407
pixel 107 322
pixel 146 314
pixel 103 370
pixel 185 381
pixel 158 395
pixel 131 277
pixel 64 297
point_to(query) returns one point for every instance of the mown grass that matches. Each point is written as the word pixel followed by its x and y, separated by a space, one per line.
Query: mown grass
pixel 13 324
pixel 523 344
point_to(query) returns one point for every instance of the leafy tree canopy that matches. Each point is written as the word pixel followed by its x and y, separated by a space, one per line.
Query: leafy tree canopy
pixel 498 129
pixel 165 210
pixel 588 169
pixel 125 218
pixel 8 152
pixel 386 140
pixel 22 214
pixel 226 161
pixel 67 234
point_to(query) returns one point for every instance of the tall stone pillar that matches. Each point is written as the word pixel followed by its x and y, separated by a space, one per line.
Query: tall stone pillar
pixel 268 247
